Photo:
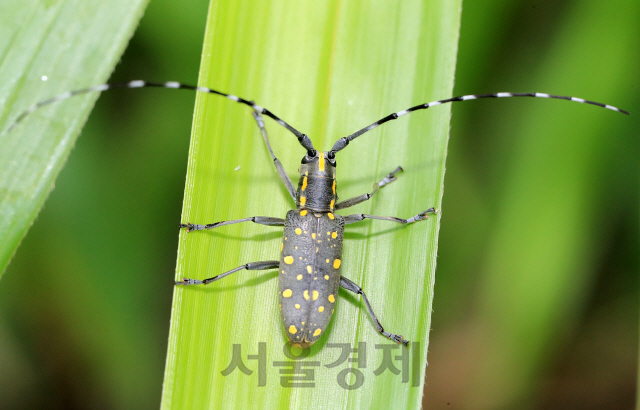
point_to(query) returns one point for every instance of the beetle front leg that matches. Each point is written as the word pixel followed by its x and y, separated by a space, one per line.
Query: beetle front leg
pixel 352 287
pixel 262 220
pixel 286 181
pixel 365 197
pixel 263 265
pixel 349 219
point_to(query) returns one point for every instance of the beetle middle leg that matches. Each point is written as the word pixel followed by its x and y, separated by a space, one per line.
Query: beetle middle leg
pixel 263 265
pixel 262 220
pixel 352 287
pixel 349 219
pixel 365 197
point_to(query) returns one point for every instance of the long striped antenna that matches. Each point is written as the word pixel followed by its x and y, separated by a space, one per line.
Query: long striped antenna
pixel 302 138
pixel 344 141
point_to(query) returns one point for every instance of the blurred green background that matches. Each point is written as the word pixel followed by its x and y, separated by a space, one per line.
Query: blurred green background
pixel 536 302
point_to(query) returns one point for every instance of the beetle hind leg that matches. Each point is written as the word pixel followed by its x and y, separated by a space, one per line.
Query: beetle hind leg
pixel 263 265
pixel 352 287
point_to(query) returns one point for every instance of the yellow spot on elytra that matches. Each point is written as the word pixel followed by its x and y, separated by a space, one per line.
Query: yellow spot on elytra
pixel 331 299
pixel 288 260
pixel 287 293
pixel 321 309
pixel 334 188
pixel 326 277
pixel 328 233
pixel 336 264
pixel 303 212
pixel 303 323
pixel 317 332
pixel 317 249
pixel 304 183
pixel 298 231
pixel 303 200
pixel 309 268
pixel 321 161
pixel 334 235
pixel 306 295
pixel 285 238
pixel 293 330
pixel 327 261
pixel 331 215
pixel 333 202
pixel 315 295
pixel 299 277
pixel 313 235
pixel 281 246
pixel 297 306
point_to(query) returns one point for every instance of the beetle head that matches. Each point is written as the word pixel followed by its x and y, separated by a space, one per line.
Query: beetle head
pixel 318 163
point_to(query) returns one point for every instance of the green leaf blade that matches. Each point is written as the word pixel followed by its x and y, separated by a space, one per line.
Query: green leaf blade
pixel 49 49
pixel 328 70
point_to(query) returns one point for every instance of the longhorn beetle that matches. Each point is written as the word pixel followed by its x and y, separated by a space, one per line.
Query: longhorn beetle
pixel 311 251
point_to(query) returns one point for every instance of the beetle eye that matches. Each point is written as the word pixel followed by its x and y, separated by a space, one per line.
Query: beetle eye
pixel 312 154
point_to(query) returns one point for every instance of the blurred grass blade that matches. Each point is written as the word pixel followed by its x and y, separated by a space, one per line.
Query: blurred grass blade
pixel 47 48
pixel 547 244
pixel 328 69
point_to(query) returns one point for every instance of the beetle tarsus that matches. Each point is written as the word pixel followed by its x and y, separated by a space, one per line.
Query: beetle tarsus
pixel 192 227
pixel 397 338
pixel 423 215
pixel 186 281
pixel 391 177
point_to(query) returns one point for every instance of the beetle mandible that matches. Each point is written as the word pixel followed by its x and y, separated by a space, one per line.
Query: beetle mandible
pixel 311 250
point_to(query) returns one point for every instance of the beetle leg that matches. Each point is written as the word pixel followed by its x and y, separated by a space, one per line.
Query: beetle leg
pixel 263 265
pixel 349 219
pixel 281 172
pixel 365 197
pixel 352 287
pixel 262 220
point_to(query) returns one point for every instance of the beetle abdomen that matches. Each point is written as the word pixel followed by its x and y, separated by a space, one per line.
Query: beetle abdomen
pixel 309 276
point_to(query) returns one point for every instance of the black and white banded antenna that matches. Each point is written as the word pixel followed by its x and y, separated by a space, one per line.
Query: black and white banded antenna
pixel 304 140
pixel 344 141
